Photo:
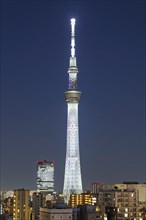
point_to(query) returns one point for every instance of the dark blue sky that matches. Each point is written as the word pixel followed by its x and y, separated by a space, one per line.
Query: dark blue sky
pixel 110 51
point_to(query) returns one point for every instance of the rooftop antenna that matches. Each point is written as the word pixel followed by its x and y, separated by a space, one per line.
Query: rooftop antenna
pixel 73 21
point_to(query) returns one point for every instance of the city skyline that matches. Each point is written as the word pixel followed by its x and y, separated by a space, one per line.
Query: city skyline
pixel 35 46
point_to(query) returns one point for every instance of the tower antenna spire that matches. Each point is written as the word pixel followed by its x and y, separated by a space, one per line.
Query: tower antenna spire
pixel 73 21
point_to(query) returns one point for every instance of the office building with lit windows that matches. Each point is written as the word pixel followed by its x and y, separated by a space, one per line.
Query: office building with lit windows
pixel 82 199
pixel 21 205
pixel 45 176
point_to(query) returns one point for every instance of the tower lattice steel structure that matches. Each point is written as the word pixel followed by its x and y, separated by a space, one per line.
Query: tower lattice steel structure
pixel 72 176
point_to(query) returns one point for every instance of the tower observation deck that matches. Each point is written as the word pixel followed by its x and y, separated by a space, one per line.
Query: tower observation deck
pixel 72 176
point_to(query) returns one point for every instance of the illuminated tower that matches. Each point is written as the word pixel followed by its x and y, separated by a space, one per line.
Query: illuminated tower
pixel 72 176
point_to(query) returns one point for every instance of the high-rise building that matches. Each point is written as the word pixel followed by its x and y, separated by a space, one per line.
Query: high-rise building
pixel 45 176
pixel 21 205
pixel 72 176
pixel 37 202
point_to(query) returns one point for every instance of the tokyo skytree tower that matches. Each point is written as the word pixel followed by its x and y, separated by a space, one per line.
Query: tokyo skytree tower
pixel 72 176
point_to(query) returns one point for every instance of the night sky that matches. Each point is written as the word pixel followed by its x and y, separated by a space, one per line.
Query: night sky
pixel 35 51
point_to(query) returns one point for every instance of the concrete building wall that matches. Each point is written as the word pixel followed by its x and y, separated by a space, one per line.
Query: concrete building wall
pixel 55 214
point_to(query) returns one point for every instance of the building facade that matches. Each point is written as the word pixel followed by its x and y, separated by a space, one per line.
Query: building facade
pixel 21 205
pixel 82 199
pixel 124 202
pixel 45 176
pixel 38 201
pixel 87 212
pixel 138 187
pixel 72 176
pixel 55 214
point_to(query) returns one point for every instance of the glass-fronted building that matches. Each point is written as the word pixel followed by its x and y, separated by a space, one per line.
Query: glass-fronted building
pixel 45 176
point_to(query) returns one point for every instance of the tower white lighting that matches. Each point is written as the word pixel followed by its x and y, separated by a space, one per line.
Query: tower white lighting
pixel 72 176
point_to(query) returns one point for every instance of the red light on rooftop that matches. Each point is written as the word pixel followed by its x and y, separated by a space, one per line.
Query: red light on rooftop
pixel 96 183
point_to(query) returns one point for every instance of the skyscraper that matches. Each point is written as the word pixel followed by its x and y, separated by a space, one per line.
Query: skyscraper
pixel 45 176
pixel 72 176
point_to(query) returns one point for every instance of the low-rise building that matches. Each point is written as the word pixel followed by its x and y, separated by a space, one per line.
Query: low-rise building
pixel 56 214
pixel 88 212
pixel 82 199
